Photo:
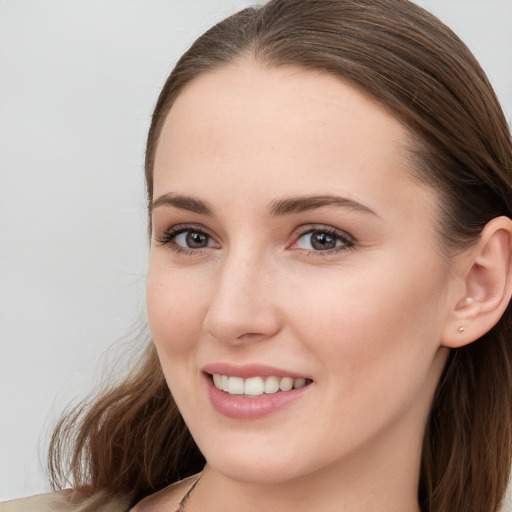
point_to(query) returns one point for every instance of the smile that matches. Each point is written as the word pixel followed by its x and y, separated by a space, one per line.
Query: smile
pixel 256 386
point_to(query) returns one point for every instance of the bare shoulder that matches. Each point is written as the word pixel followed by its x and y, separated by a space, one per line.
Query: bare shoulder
pixel 166 500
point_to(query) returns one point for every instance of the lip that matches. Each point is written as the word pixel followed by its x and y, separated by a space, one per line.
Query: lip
pixel 244 408
pixel 249 370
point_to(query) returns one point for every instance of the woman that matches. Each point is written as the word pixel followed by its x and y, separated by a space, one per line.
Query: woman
pixel 329 189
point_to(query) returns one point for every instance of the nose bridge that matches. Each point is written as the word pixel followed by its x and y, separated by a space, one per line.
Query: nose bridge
pixel 242 304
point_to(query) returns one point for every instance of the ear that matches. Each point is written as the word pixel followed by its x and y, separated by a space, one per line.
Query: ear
pixel 487 285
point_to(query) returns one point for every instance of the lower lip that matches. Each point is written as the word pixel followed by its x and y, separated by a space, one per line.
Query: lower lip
pixel 240 407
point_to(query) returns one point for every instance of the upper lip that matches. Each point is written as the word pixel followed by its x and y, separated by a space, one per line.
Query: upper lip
pixel 249 370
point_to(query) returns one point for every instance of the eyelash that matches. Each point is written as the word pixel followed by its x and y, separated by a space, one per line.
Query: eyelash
pixel 168 239
pixel 348 242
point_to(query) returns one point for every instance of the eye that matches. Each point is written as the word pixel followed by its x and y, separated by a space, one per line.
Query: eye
pixel 192 240
pixel 187 239
pixel 323 239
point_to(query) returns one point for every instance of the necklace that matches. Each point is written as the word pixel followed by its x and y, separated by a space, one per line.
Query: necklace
pixel 183 502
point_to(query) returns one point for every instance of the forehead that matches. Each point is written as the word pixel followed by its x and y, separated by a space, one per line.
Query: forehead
pixel 249 95
pixel 282 131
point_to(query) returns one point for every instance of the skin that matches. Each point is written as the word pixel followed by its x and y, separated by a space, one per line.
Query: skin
pixel 363 321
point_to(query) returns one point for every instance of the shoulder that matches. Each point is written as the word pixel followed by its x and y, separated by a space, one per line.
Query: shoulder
pixel 65 501
pixel 58 501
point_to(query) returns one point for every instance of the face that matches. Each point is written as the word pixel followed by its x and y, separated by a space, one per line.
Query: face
pixel 292 248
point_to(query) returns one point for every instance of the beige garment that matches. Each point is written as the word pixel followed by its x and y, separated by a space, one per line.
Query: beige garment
pixel 60 501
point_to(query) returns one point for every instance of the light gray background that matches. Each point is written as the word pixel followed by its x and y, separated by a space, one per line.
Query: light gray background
pixel 78 81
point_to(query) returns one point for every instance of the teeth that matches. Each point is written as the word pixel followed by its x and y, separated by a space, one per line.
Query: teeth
pixel 224 380
pixel 235 386
pixel 271 385
pixel 286 384
pixel 256 386
pixel 299 383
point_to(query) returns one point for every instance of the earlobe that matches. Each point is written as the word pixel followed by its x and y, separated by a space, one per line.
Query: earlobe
pixel 487 286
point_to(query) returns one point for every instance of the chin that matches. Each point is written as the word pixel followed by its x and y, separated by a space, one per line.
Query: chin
pixel 257 473
pixel 259 459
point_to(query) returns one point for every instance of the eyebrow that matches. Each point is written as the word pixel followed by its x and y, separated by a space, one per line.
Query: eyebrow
pixel 303 204
pixel 183 203
pixel 278 207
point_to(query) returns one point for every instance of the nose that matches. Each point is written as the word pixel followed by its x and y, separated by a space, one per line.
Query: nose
pixel 242 308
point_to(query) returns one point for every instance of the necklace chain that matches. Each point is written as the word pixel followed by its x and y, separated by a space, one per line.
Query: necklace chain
pixel 183 502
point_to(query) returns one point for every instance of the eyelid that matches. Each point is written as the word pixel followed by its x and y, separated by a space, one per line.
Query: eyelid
pixel 348 240
pixel 311 228
pixel 166 238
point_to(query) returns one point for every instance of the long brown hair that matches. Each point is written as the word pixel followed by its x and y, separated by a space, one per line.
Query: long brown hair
pixel 131 438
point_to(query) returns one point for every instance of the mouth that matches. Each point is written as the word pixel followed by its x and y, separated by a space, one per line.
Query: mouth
pixel 257 386
pixel 253 391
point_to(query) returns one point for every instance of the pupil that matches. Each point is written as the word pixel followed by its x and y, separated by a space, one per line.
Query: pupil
pixel 323 241
pixel 196 240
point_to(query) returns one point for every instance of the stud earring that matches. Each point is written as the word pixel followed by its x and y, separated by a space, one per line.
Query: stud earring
pixel 470 300
pixel 461 329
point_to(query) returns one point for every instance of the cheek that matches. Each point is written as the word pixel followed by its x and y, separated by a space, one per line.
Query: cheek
pixel 367 328
pixel 375 345
pixel 175 308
